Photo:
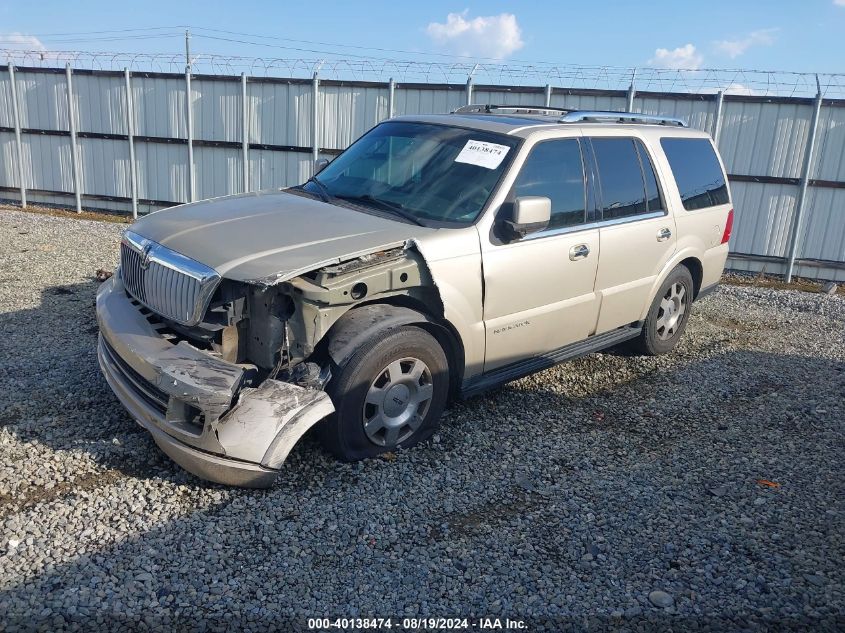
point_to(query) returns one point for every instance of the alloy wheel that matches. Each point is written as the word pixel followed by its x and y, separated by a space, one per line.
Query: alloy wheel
pixel 397 401
pixel 671 312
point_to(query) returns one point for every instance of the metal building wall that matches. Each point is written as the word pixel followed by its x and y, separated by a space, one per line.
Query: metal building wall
pixel 698 110
pixel 423 99
pixel 6 117
pixel 280 113
pixel 763 142
pixel 100 103
pixel 346 112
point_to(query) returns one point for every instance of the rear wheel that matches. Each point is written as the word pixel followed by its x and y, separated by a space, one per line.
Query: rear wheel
pixel 667 318
pixel 388 395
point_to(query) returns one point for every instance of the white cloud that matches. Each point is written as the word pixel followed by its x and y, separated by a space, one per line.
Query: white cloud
pixel 495 36
pixel 839 3
pixel 740 89
pixel 681 58
pixel 21 42
pixel 735 48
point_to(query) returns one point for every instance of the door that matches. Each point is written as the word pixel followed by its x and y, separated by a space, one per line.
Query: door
pixel 637 233
pixel 538 290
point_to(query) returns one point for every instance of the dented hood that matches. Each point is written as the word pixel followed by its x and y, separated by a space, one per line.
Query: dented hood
pixel 270 236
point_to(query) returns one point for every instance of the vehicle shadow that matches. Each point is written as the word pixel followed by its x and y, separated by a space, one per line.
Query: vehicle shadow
pixel 569 494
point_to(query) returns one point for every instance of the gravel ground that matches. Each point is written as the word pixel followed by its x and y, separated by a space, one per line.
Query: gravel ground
pixel 703 489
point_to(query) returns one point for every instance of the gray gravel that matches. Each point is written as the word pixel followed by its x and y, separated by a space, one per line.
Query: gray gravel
pixel 611 492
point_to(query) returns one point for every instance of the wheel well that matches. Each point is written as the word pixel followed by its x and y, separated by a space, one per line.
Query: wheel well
pixel 697 271
pixel 450 343
pixel 438 327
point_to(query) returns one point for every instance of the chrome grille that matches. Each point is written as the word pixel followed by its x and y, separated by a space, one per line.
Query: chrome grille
pixel 168 283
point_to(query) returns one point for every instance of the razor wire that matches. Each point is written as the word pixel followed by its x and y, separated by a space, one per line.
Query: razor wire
pixel 362 68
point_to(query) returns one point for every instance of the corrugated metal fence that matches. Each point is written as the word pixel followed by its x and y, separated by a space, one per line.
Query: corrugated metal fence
pixel 249 133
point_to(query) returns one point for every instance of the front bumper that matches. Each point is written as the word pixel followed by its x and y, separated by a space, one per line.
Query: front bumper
pixel 194 404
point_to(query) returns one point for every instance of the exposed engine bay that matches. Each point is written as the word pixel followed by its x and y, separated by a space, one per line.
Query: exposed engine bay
pixel 276 329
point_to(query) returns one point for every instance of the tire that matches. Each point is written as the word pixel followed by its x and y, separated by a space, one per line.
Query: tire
pixel 389 394
pixel 667 318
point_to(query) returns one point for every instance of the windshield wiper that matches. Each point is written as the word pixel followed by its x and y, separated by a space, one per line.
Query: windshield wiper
pixel 322 190
pixel 384 205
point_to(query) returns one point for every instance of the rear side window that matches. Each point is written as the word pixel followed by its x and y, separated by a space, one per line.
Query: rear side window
pixel 554 169
pixel 623 186
pixel 697 172
pixel 652 191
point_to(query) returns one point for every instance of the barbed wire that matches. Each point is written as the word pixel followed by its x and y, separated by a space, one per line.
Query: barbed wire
pixel 732 81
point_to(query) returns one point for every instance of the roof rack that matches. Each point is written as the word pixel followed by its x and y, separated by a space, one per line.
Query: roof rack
pixel 597 116
pixel 482 108
pixel 573 116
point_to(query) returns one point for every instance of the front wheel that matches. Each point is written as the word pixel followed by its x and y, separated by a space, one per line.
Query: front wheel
pixel 668 315
pixel 388 395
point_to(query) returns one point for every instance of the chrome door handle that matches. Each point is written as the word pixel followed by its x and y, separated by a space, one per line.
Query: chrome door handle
pixel 664 234
pixel 579 251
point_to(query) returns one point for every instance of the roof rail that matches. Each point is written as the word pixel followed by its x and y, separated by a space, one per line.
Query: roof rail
pixel 573 116
pixel 597 116
pixel 482 108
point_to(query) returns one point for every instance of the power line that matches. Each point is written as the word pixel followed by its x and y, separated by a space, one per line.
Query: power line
pixel 70 33
pixel 194 29
pixel 111 39
pixel 359 47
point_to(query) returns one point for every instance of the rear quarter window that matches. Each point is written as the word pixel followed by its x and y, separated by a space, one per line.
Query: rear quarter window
pixel 697 172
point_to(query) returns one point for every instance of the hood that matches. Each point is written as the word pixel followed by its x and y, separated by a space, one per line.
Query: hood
pixel 271 236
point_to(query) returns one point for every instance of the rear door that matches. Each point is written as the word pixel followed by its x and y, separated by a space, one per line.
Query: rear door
pixel 703 191
pixel 636 231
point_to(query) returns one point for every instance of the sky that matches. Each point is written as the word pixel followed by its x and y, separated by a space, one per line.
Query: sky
pixel 807 36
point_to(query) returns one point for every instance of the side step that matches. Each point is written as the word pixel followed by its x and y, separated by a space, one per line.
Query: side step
pixel 532 365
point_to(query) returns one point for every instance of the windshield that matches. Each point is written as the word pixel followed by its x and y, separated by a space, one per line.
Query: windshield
pixel 417 171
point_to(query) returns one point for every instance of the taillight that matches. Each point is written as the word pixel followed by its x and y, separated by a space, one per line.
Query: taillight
pixel 729 225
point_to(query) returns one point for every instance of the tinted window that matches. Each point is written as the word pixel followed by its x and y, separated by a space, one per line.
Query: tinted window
pixel 622 187
pixel 697 172
pixel 653 200
pixel 554 169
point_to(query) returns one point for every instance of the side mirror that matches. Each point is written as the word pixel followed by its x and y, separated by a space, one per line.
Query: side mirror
pixel 530 214
pixel 320 165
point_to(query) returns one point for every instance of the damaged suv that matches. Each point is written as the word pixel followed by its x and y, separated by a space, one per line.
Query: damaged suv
pixel 435 258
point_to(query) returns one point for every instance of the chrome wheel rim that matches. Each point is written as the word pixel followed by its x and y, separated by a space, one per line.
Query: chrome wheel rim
pixel 673 306
pixel 397 401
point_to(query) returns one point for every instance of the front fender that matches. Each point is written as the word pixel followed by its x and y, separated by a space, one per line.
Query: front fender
pixel 358 325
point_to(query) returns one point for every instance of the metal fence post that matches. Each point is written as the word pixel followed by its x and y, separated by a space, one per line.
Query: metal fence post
pixel 805 181
pixel 469 89
pixel 548 95
pixel 315 140
pixel 130 134
pixel 17 117
pixel 190 116
pixel 632 92
pixel 245 125
pixel 717 117
pixel 74 158
pixel 391 95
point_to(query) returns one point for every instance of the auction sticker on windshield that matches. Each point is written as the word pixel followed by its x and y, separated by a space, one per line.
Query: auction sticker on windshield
pixel 483 154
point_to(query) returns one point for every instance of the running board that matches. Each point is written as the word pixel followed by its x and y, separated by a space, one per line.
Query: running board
pixel 528 366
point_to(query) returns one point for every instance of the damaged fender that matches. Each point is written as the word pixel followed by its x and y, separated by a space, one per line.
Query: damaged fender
pixel 269 420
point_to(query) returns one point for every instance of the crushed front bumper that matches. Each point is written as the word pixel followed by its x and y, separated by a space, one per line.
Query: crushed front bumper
pixel 194 404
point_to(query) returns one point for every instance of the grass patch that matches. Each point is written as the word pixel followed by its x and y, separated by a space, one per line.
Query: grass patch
pixel 98 216
pixel 776 282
